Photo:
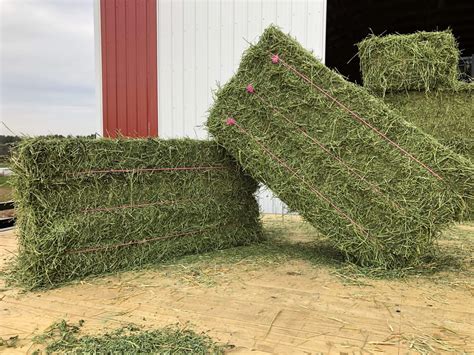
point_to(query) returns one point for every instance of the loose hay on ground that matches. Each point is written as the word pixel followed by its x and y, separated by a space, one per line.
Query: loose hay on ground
pixel 88 207
pixel 296 129
pixel 64 337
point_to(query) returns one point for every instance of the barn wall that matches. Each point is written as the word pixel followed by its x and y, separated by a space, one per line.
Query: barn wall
pixel 200 43
pixel 129 69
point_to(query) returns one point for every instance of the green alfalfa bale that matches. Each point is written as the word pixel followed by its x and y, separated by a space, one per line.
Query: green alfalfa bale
pixel 380 204
pixel 95 206
pixel 420 61
pixel 447 114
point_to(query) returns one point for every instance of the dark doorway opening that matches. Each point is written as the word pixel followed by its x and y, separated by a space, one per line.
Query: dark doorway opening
pixel 348 22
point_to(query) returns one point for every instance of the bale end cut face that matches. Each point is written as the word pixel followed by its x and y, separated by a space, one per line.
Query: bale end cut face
pixel 420 61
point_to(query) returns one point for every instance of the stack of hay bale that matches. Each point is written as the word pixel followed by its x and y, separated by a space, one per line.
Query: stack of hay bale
pixel 417 74
pixel 93 206
pixel 380 188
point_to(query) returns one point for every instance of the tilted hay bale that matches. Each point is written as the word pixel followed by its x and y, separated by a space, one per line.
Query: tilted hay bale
pixel 419 61
pixel 377 186
pixel 448 115
pixel 87 206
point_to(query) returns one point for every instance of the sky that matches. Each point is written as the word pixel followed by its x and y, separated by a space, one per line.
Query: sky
pixel 47 67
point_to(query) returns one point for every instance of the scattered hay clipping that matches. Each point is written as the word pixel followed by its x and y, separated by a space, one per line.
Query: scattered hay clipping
pixel 93 206
pixel 420 61
pixel 67 338
pixel 376 185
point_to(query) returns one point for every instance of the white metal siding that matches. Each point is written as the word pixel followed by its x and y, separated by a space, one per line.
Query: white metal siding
pixel 200 44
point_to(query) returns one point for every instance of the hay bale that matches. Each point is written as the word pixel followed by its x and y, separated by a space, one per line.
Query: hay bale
pixel 448 115
pixel 88 207
pixel 445 114
pixel 380 194
pixel 419 61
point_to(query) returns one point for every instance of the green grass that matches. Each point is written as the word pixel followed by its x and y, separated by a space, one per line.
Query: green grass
pixel 63 337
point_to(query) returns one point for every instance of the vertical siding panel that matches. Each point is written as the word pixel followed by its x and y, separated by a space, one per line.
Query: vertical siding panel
pixel 164 68
pixel 152 97
pixel 111 96
pixel 284 15
pixel 121 68
pixel 104 57
pixel 226 40
pixel 254 19
pixel 177 66
pixel 202 86
pixel 129 67
pixel 189 54
pixel 213 39
pixel 131 40
pixel 239 31
pixel 142 84
pixel 315 26
pixel 269 15
pixel 299 17
pixel 306 5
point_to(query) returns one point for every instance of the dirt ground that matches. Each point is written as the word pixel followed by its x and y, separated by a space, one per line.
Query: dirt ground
pixel 264 305
pixel 5 192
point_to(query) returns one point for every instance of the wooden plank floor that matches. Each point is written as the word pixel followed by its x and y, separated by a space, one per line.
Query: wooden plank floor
pixel 284 308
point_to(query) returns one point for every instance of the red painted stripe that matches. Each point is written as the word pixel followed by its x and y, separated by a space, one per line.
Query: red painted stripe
pixel 103 32
pixel 131 33
pixel 111 74
pixel 142 117
pixel 121 67
pixel 152 68
pixel 129 67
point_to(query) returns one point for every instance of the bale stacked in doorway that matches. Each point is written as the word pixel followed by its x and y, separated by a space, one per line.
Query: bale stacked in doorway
pixel 88 207
pixel 377 186
pixel 417 74
pixel 418 61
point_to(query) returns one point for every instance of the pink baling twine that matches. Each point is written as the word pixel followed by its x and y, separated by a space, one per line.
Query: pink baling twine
pixel 323 147
pixel 356 116
pixel 301 178
pixel 250 89
pixel 148 170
